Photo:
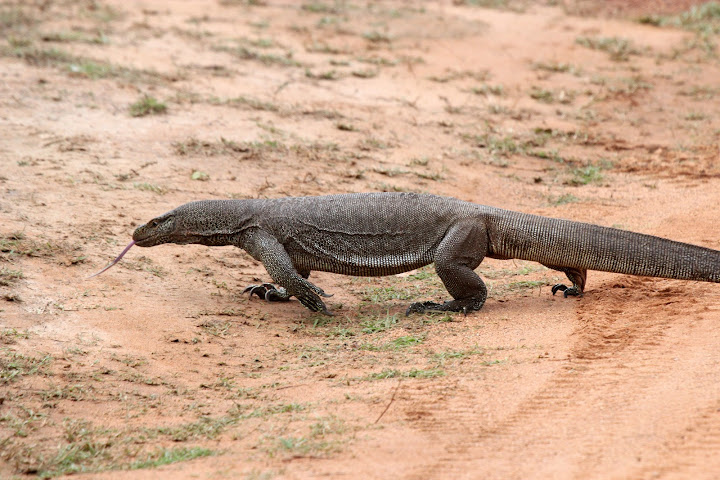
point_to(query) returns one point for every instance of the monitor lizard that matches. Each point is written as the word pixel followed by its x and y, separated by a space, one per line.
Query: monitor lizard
pixel 376 234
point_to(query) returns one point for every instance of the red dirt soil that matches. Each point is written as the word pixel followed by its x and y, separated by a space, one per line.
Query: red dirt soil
pixel 161 368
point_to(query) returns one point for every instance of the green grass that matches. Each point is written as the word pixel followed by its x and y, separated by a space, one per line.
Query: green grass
pixel 442 358
pixel 199 176
pixel 486 90
pixel 586 175
pixel 323 7
pixel 296 447
pixel 373 36
pixel 563 199
pixel 14 365
pixel 703 18
pixel 87 455
pixel 72 37
pixel 383 294
pixel 527 284
pixel 12 335
pixel 324 437
pixel 208 148
pixel 166 456
pixel 206 427
pixel 39 57
pixel 147 105
pixel 8 277
pixel 618 48
pixel 269 59
pixel 365 73
pixel 556 67
pixel 90 69
pixel 15 18
pixel 247 102
pixel 628 86
pixel 700 92
pixel 695 116
pixel 396 344
pixel 412 373
pixel 323 75
pixel 379 324
pixel 504 146
pixel 512 5
pixel 552 96
pixel 82 456
pixel 150 187
pixel 406 341
pixel 209 427
pixel 74 65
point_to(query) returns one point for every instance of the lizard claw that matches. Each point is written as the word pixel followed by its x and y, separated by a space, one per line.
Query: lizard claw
pixel 314 303
pixel 463 305
pixel 271 293
pixel 573 291
pixel 268 292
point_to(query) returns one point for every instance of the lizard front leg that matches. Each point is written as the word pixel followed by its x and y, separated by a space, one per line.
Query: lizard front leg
pixel 265 248
pixel 458 255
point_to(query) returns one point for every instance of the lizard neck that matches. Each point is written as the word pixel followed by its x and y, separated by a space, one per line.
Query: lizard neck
pixel 214 223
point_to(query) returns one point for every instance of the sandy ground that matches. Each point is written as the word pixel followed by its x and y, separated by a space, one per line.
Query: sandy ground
pixel 160 368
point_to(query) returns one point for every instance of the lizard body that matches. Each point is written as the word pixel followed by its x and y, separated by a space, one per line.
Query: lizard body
pixel 375 234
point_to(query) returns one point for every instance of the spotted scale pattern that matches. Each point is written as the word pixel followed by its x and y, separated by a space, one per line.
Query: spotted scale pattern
pixel 375 234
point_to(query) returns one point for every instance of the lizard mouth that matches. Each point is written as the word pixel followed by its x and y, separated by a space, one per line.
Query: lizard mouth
pixel 155 232
pixel 147 235
pixel 141 238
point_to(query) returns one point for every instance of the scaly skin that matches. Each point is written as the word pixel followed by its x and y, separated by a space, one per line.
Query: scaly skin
pixel 375 234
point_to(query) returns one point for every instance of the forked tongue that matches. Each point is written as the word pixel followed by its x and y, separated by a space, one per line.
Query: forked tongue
pixel 114 261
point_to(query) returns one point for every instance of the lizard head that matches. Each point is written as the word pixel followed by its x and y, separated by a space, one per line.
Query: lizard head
pixel 194 222
pixel 157 231
pixel 202 222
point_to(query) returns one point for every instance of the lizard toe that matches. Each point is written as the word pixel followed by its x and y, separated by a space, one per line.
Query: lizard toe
pixel 422 307
pixel 573 291
pixel 258 290
pixel 278 294
pixel 464 305
pixel 268 292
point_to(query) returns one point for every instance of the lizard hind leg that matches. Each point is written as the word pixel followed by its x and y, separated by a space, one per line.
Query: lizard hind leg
pixel 460 252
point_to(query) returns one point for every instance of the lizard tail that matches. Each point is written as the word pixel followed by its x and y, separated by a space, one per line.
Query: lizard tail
pixel 563 243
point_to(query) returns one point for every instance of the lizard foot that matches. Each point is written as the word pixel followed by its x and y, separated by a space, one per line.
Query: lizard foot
pixel 573 291
pixel 463 305
pixel 269 292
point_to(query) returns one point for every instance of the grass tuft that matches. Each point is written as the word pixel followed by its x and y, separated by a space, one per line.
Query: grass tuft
pixel 412 373
pixel 166 456
pixel 147 105
pixel 618 48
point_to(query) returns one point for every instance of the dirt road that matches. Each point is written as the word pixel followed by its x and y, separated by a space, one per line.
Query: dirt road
pixel 114 112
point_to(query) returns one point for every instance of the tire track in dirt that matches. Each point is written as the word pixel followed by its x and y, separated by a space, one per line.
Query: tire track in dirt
pixel 617 345
pixel 692 452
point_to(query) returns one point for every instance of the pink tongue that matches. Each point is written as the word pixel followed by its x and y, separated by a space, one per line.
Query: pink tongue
pixel 114 261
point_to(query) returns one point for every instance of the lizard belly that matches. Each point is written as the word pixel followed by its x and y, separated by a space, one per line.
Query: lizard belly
pixel 376 266
pixel 367 259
